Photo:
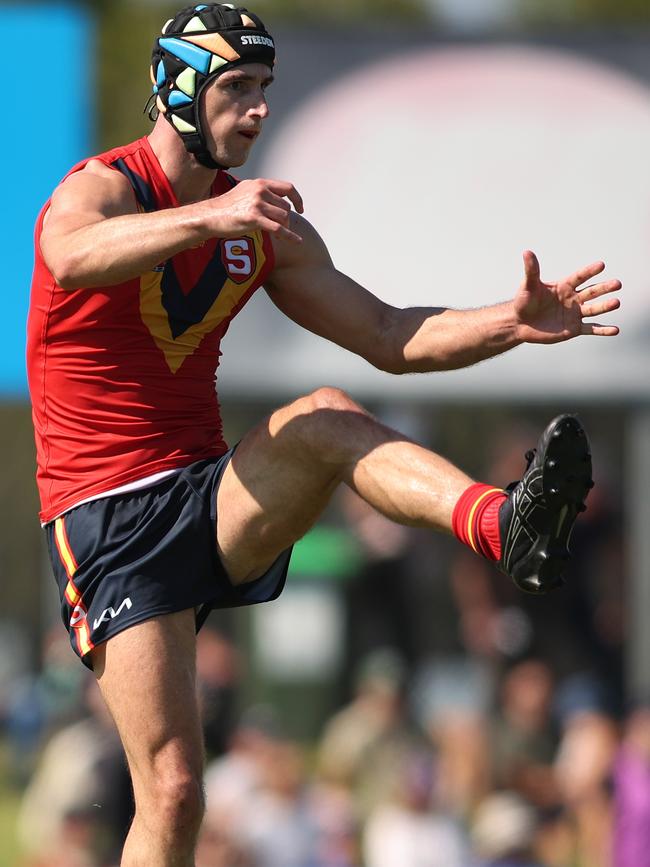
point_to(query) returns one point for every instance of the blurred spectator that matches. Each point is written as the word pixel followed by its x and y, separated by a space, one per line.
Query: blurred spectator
pixel 217 676
pixel 632 793
pixel 364 743
pixel 523 739
pixel 14 661
pixel 217 848
pixel 400 596
pixel 280 830
pixel 74 844
pixel 232 781
pixel 452 697
pixel 583 766
pixel 262 810
pixel 377 604
pixel 408 830
pixel 79 802
pixel 461 742
pixel 42 702
pixel 335 817
pixel 503 831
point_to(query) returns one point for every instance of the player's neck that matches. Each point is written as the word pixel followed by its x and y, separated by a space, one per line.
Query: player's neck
pixel 190 180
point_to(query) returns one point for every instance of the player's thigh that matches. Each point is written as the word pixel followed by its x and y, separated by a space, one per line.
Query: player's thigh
pixel 147 676
pixel 281 477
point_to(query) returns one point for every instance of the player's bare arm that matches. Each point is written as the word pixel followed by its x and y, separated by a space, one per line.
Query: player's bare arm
pixel 308 288
pixel 95 236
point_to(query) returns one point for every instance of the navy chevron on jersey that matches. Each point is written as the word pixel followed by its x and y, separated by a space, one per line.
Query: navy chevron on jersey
pixel 122 378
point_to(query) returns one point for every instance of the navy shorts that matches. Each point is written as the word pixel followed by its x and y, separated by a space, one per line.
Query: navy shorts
pixel 124 559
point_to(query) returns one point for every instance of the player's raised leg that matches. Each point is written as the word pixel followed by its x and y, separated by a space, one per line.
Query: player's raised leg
pixel 284 472
pixel 147 677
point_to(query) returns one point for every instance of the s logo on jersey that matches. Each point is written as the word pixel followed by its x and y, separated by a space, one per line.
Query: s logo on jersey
pixel 196 291
pixel 238 256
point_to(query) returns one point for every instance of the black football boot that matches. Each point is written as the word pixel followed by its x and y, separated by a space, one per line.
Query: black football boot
pixel 536 519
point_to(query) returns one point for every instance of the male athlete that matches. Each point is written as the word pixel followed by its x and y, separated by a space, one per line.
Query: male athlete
pixel 144 255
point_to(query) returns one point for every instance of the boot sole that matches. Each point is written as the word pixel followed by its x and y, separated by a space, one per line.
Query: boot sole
pixel 566 481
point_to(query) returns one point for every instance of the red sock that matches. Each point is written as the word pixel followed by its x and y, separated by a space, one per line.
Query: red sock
pixel 475 520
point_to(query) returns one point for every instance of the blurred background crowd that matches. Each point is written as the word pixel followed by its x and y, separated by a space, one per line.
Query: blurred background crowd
pixel 401 704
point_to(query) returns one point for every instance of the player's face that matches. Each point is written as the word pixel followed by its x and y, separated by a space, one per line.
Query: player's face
pixel 234 108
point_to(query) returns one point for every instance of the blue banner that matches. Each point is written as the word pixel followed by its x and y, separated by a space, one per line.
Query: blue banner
pixel 48 65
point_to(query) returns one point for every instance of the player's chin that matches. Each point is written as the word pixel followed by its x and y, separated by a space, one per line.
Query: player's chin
pixel 234 162
pixel 231 159
pixel 242 149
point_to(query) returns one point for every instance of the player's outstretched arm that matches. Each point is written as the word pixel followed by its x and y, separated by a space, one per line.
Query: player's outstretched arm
pixel 307 287
pixel 94 235
pixel 539 313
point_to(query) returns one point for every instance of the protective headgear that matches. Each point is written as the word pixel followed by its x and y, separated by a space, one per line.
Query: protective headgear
pixel 198 44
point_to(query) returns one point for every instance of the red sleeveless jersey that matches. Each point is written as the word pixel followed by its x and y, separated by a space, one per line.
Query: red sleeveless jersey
pixel 122 378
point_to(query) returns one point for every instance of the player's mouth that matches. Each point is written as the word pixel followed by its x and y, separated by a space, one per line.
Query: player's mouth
pixel 250 134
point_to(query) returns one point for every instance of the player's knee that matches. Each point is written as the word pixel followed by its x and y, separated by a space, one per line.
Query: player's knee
pixel 325 426
pixel 332 425
pixel 332 399
pixel 179 802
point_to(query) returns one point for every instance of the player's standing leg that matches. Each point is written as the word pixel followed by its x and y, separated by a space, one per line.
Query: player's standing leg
pixel 147 677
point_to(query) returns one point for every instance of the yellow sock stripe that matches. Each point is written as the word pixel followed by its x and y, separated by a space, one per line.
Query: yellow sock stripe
pixel 470 520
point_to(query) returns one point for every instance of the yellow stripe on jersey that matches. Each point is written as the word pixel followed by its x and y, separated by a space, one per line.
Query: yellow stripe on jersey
pixel 156 318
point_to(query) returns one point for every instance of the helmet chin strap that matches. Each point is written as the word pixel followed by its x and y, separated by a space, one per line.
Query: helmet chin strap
pixel 206 160
pixel 195 145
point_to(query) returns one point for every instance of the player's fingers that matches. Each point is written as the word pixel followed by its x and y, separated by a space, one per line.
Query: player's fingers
pixel 599 330
pixel 586 273
pixel 595 290
pixel 287 190
pixel 277 213
pixel 531 267
pixel 279 202
pixel 600 307
pixel 279 231
pixel 296 200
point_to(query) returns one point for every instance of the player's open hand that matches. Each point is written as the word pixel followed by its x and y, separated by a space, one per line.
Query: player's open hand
pixel 552 312
pixel 256 204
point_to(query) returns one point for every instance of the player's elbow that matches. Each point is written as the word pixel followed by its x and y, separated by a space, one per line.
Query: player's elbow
pixel 386 355
pixel 387 351
pixel 66 279
pixel 65 269
pixel 390 364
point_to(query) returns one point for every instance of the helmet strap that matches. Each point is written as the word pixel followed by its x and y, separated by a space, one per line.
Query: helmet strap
pixel 195 145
